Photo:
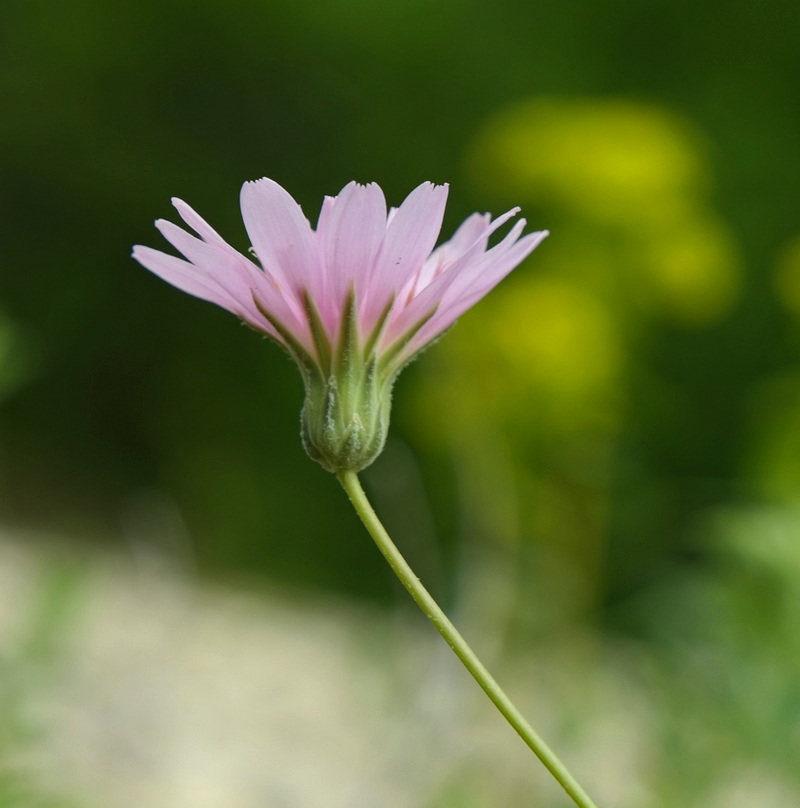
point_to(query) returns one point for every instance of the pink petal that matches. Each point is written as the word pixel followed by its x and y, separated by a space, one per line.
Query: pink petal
pixel 282 237
pixel 184 276
pixel 192 248
pixel 474 228
pixel 430 296
pixel 410 237
pixel 223 276
pixel 350 232
pixel 471 286
pixel 197 223
pixel 325 212
pixel 233 272
pixel 480 266
pixel 470 231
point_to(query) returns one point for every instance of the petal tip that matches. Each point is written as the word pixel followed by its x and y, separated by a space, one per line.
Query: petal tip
pixel 260 181
pixel 250 185
pixel 433 187
pixel 163 225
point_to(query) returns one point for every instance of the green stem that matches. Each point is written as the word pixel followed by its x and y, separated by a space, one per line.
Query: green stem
pixel 352 485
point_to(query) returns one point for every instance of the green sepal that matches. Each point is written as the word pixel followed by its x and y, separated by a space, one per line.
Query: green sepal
pixel 318 334
pixel 388 357
pixel 375 335
pixel 307 364
pixel 345 416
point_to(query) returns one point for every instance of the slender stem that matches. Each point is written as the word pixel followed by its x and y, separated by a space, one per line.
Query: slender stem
pixel 352 485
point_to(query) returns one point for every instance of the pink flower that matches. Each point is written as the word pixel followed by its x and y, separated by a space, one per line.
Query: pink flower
pixel 352 301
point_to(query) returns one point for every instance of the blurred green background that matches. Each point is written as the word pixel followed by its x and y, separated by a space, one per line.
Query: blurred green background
pixel 615 431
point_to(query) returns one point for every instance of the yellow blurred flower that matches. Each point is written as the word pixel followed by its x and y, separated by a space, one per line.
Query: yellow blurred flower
pixel 629 183
pixel 787 276
pixel 548 354
pixel 612 160
pixel 693 266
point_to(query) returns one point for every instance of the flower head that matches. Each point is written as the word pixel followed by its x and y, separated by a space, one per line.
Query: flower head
pixel 352 302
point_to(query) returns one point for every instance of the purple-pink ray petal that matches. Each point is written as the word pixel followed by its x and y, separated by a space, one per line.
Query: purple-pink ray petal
pixel 473 231
pixel 195 250
pixel 350 232
pixel 462 297
pixel 185 277
pixel 430 296
pixel 196 222
pixel 236 274
pixel 281 236
pixel 410 237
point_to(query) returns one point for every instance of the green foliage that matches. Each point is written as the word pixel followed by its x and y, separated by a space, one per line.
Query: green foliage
pixel 726 665
pixel 27 666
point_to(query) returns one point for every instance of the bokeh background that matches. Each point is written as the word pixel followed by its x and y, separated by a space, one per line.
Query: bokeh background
pixel 596 471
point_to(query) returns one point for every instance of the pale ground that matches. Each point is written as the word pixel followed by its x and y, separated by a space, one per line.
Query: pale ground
pixel 168 693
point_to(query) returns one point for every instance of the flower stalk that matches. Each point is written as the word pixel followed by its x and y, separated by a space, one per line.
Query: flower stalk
pixel 352 486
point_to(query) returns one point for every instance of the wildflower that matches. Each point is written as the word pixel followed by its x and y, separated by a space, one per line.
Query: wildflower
pixel 352 302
